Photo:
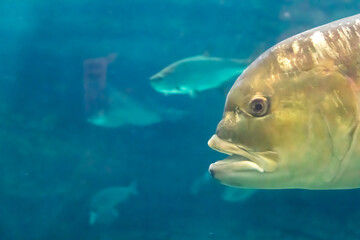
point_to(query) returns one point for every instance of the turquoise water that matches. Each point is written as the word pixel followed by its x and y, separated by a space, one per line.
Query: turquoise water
pixel 63 62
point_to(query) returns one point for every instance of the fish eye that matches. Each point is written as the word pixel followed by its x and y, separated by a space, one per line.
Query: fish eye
pixel 259 106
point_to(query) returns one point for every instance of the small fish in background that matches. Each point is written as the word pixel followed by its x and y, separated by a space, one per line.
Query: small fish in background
pixel 103 204
pixel 231 194
pixel 195 74
pixel 108 107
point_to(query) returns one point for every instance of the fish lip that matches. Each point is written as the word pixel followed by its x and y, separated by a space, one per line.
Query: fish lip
pixel 253 160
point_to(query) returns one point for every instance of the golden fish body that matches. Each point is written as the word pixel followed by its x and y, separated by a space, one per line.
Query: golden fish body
pixel 291 120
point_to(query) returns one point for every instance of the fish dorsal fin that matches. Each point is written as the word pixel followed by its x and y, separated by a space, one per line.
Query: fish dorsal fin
pixel 193 93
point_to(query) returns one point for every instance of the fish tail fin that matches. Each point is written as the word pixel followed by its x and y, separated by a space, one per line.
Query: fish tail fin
pixel 133 188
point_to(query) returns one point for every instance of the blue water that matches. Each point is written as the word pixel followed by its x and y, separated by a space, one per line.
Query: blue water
pixel 53 161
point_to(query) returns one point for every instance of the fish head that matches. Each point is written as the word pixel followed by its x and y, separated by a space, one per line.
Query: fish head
pixel 166 81
pixel 284 129
pixel 158 77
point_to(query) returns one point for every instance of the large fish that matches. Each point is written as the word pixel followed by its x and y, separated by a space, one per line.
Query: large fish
pixel 196 74
pixel 291 120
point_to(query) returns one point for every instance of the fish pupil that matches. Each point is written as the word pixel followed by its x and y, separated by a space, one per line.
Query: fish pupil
pixel 258 107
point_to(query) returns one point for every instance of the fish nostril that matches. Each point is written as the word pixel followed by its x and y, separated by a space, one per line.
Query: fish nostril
pixel 224 133
pixel 224 130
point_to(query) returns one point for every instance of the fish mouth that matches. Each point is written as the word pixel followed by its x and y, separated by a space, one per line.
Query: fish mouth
pixel 241 159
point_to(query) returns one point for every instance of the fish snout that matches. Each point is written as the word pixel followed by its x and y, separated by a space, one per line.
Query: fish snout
pixel 225 130
pixel 156 78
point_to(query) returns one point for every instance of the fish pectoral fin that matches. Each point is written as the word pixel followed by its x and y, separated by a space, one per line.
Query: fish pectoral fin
pixel 193 93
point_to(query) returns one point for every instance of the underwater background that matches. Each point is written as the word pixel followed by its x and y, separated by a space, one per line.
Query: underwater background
pixel 54 161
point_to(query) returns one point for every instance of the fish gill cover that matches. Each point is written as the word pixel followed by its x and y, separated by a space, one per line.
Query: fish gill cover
pixel 78 116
